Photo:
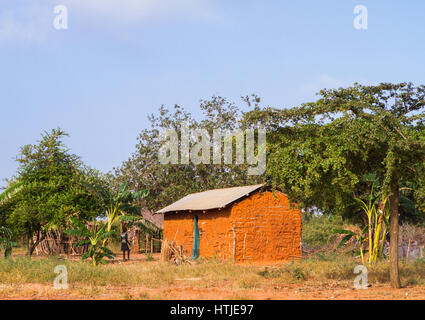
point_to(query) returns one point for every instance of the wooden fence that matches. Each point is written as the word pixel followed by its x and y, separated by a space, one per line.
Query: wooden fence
pixel 145 243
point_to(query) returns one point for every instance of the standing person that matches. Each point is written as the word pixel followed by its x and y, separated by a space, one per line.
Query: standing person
pixel 124 243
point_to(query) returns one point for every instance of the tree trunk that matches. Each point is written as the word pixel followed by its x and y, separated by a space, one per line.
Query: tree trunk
pixel 394 202
pixel 30 248
pixel 32 245
pixel 29 243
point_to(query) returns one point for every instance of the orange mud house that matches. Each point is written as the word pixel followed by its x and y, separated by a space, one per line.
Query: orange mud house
pixel 243 223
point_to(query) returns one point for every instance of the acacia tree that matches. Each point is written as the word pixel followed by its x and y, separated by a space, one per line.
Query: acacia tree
pixel 318 152
pixel 47 190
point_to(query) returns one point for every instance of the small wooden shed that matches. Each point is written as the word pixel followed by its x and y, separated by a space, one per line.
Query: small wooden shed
pixel 249 223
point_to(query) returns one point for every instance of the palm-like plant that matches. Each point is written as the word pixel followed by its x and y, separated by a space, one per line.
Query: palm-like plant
pixel 6 234
pixel 377 213
pixel 94 238
pixel 7 194
pixel 123 203
pixel 120 205
pixel 360 237
pixel 6 241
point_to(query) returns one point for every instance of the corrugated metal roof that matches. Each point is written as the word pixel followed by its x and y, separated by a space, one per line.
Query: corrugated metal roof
pixel 211 199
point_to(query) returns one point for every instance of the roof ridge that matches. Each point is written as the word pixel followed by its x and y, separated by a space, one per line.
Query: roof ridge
pixel 223 189
pixel 205 200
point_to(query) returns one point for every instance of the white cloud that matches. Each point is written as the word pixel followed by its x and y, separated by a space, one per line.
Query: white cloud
pixel 32 21
pixel 130 12
pixel 30 24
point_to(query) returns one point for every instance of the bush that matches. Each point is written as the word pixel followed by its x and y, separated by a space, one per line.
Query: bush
pixel 318 230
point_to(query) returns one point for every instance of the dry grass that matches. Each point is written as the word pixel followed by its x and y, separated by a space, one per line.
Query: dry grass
pixel 22 270
pixel 154 280
pixel 341 268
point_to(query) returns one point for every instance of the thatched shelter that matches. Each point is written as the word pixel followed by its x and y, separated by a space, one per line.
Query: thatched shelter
pixel 56 242
pixel 146 234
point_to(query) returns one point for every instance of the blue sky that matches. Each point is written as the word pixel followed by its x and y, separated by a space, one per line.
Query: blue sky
pixel 120 60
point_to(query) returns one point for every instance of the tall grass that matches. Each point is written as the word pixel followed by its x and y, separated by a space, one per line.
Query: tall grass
pixel 24 270
pixel 206 274
pixel 341 268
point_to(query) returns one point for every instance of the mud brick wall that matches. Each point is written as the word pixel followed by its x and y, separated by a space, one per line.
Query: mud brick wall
pixel 214 228
pixel 258 228
pixel 267 229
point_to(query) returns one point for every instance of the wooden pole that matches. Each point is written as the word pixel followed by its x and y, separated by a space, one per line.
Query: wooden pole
pixel 244 240
pixel 234 242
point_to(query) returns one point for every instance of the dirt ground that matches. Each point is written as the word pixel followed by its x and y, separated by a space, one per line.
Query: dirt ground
pixel 184 289
pixel 311 291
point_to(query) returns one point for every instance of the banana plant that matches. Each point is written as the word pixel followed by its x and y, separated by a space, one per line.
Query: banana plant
pixel 382 218
pixel 6 235
pixel 123 204
pixel 120 204
pixel 369 209
pixel 360 237
pixel 377 213
pixel 7 194
pixel 93 238
pixel 6 241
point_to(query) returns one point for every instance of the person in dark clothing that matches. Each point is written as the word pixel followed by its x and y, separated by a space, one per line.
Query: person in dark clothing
pixel 125 244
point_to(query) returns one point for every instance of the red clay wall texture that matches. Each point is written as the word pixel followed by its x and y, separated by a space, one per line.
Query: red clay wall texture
pixel 258 228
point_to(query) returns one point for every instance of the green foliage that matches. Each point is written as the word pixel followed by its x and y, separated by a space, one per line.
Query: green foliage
pixel 7 202
pixel 168 183
pixel 361 237
pixel 298 274
pixel 49 187
pixel 93 238
pixel 8 194
pixel 348 234
pixel 7 241
pixel 121 205
pixel 319 152
pixel 318 230
pixel 376 214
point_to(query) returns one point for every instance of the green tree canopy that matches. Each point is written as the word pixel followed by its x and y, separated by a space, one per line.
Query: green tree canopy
pixel 51 189
pixel 319 152
pixel 168 183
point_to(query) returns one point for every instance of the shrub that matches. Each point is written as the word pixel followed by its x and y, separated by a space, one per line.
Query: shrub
pixel 318 230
